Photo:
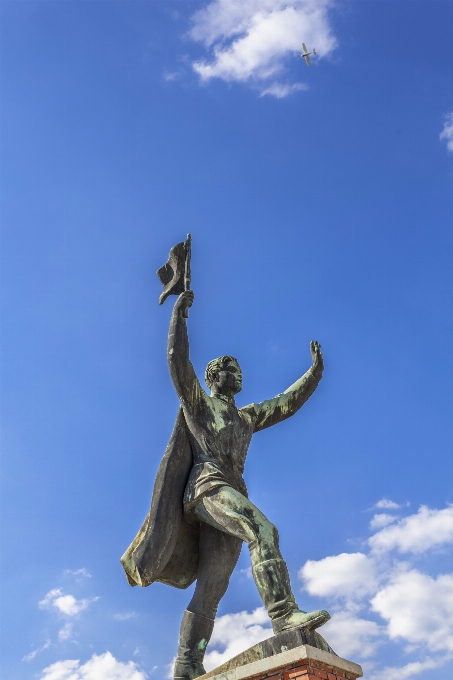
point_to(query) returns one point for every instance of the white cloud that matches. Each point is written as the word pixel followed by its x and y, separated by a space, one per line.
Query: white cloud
pixel 382 520
pixel 169 669
pixel 66 604
pixel 387 504
pixel 35 652
pixel 419 609
pixel 417 533
pixel 247 572
pixel 410 669
pixel 251 39
pixel 352 636
pixel 415 609
pixel 99 667
pixel 124 616
pixel 172 75
pixel 280 90
pixel 235 632
pixel 78 572
pixel 66 632
pixel 447 132
pixel 32 654
pixel 348 575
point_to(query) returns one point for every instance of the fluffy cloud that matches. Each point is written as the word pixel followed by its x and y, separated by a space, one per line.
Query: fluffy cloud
pixel 387 504
pixel 65 604
pixel 102 667
pixel 250 39
pixel 417 533
pixel 382 520
pixel 447 132
pixel 78 572
pixel 235 632
pixel 418 609
pixel 351 635
pixel 66 632
pixel 410 669
pixel 415 608
pixel 348 575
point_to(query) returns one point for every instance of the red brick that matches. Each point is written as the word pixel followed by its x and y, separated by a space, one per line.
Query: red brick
pixel 301 667
pixel 331 676
pixel 286 672
pixel 298 672
pixel 320 674
pixel 294 675
pixel 275 677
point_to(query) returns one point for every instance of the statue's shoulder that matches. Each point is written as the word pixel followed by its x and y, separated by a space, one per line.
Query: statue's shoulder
pixel 249 411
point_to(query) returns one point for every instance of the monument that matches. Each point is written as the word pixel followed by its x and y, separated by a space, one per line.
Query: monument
pixel 200 512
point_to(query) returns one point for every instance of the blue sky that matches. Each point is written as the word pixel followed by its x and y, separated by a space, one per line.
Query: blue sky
pixel 320 203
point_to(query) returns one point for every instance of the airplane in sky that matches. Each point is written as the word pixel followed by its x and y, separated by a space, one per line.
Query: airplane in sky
pixel 306 54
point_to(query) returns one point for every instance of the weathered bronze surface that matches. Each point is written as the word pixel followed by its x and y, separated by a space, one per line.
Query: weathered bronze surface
pixel 200 512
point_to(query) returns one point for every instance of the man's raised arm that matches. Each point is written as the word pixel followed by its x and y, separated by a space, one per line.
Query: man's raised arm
pixel 182 373
pixel 273 411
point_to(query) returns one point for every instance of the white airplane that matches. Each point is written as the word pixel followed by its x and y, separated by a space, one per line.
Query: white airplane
pixel 306 54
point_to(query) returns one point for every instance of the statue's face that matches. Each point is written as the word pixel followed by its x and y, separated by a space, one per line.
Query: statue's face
pixel 229 379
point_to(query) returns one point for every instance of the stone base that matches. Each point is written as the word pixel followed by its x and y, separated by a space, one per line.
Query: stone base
pixel 282 642
pixel 301 663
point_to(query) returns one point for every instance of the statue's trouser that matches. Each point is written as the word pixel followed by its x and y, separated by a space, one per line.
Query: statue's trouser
pixel 229 518
pixel 218 555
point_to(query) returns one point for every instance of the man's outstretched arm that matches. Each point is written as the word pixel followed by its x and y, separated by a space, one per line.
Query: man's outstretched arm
pixel 182 373
pixel 281 407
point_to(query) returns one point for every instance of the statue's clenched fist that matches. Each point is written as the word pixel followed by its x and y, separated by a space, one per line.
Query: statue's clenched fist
pixel 316 354
pixel 184 301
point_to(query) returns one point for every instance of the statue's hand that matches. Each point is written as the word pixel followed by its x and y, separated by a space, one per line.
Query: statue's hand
pixel 316 354
pixel 184 301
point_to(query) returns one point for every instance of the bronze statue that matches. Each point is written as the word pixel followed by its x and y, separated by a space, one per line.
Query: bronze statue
pixel 200 513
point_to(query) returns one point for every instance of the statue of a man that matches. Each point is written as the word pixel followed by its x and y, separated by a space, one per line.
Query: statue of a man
pixel 200 514
pixel 215 496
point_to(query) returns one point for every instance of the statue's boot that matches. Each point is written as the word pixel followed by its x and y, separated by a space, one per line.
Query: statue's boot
pixel 272 580
pixel 195 633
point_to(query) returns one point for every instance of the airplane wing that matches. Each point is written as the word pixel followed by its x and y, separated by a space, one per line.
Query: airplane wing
pixel 307 59
pixel 304 48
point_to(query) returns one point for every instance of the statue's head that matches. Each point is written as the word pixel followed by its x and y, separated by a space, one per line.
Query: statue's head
pixel 224 376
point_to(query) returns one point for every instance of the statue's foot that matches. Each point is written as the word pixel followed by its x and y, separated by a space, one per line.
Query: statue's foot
pixel 186 671
pixel 297 618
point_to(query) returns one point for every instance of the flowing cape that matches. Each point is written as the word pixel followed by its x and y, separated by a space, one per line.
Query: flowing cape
pixel 166 547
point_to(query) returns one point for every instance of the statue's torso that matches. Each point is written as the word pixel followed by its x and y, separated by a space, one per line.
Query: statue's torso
pixel 220 436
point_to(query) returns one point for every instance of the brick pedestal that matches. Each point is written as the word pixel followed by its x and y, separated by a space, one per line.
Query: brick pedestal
pixel 302 663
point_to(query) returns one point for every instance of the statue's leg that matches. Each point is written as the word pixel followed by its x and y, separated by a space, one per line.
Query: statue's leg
pixel 218 555
pixel 231 512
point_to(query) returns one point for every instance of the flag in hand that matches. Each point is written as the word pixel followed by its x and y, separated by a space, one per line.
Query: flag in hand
pixel 175 274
